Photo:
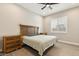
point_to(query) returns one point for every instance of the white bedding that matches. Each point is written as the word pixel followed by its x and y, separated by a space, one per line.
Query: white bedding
pixel 40 42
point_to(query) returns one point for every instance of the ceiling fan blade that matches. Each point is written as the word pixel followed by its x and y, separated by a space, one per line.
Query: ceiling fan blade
pixel 44 7
pixel 47 4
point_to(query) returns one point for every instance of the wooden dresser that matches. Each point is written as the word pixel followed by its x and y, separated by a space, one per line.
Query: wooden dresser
pixel 11 43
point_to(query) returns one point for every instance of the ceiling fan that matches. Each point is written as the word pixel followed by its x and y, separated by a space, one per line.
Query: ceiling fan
pixel 47 5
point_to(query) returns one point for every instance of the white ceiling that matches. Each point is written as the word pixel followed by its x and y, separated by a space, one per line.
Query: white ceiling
pixel 36 8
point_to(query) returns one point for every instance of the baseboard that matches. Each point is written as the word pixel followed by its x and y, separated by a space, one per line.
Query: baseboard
pixel 67 42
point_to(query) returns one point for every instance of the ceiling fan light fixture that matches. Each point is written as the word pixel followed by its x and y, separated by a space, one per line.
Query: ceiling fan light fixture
pixel 48 5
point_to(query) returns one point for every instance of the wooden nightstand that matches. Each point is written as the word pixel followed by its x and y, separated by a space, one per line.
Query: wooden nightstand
pixel 11 43
pixel 43 33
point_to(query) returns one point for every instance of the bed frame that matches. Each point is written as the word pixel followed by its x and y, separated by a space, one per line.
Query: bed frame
pixel 26 30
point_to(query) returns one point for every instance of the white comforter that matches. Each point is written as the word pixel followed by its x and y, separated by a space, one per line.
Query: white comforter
pixel 40 42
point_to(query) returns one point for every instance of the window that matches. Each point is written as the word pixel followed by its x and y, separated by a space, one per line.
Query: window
pixel 59 25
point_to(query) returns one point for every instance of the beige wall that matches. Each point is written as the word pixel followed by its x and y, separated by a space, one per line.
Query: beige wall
pixel 73 25
pixel 11 15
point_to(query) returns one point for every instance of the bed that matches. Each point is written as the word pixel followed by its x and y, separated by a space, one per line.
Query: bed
pixel 37 42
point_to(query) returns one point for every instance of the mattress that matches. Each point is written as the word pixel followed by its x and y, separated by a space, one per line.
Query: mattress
pixel 40 42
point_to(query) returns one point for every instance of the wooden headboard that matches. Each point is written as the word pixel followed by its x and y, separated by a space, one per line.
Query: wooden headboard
pixel 28 30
